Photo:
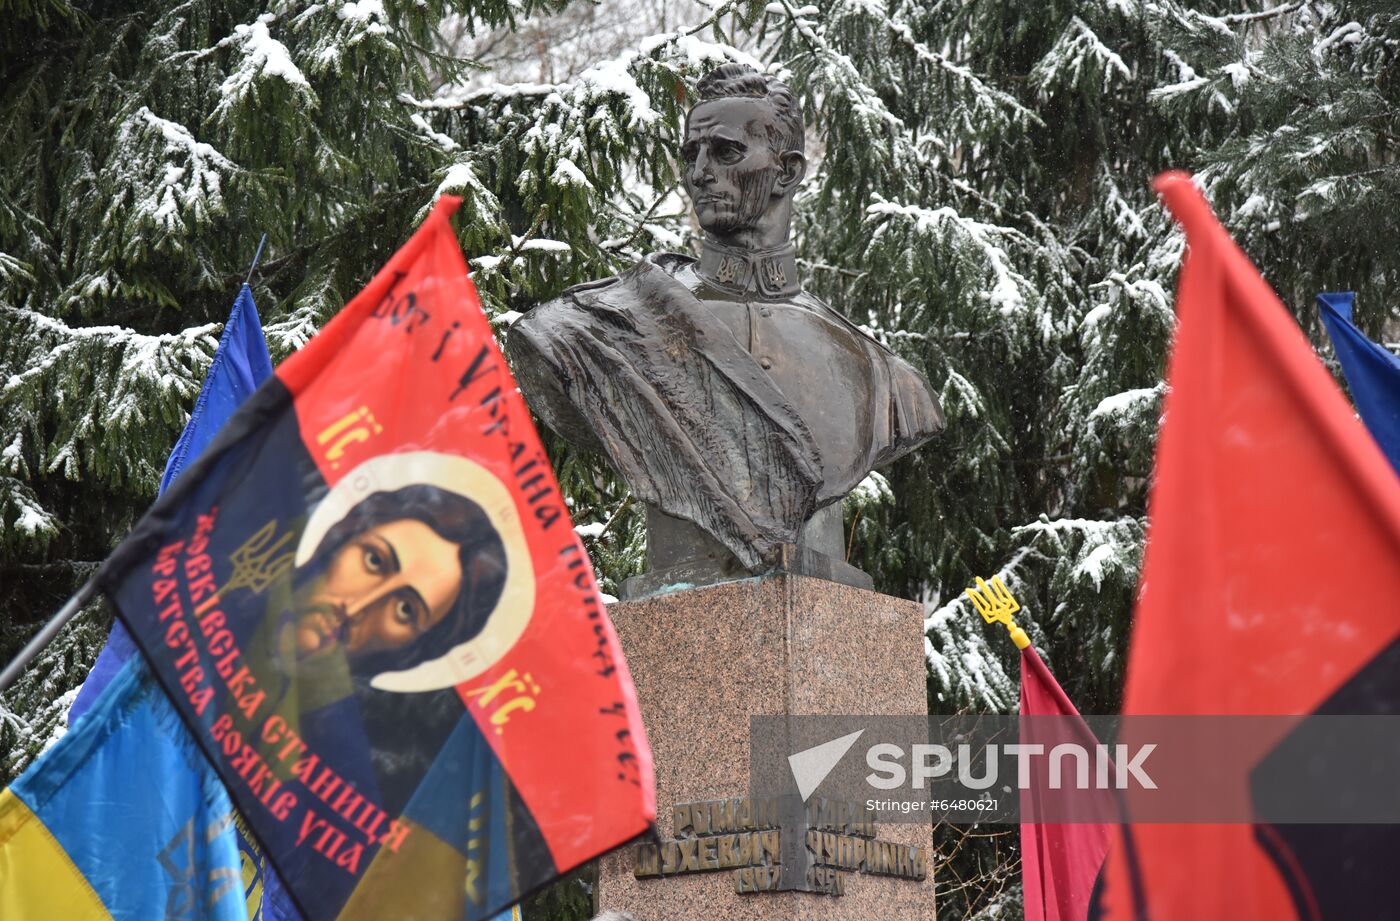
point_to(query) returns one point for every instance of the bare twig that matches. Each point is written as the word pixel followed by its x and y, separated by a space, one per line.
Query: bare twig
pixel 641 224
pixel 607 525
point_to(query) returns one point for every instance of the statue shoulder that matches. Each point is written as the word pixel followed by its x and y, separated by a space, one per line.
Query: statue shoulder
pixel 815 303
pixel 919 413
pixel 670 263
pixel 609 304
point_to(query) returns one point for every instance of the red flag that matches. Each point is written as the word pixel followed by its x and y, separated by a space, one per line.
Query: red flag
pixel 368 602
pixel 1060 863
pixel 1269 586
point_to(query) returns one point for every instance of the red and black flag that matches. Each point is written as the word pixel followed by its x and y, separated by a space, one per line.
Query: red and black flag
pixel 368 601
pixel 1269 586
pixel 1061 863
pixel 1064 827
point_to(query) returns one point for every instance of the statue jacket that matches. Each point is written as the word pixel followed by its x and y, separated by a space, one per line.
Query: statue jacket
pixel 743 414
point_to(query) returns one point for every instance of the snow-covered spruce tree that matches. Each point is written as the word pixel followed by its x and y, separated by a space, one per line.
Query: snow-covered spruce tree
pixel 1312 179
pixel 148 146
pixel 978 199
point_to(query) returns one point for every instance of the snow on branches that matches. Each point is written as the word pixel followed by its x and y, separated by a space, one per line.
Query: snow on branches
pixel 975 198
pixel 84 403
pixel 263 59
pixel 589 161
pixel 168 184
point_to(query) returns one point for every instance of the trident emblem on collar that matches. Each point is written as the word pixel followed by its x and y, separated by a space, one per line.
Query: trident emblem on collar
pixel 774 271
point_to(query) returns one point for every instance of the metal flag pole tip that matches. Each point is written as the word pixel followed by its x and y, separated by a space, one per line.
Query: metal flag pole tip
pixel 996 605
pixel 256 256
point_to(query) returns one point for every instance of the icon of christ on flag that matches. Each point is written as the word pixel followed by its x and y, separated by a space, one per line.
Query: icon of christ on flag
pixel 368 601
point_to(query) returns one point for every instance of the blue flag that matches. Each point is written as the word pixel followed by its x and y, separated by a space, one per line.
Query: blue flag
pixel 239 367
pixel 134 738
pixel 1372 373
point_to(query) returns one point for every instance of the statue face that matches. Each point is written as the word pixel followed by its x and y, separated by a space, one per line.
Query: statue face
pixel 382 589
pixel 731 173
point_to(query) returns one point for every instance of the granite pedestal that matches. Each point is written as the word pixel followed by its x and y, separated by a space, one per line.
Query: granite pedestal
pixel 704 661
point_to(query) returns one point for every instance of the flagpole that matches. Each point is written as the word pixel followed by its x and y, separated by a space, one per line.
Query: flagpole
pixel 256 257
pixel 47 633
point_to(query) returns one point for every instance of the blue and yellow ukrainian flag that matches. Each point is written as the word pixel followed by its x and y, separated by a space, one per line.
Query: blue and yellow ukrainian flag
pixel 124 820
pixel 121 819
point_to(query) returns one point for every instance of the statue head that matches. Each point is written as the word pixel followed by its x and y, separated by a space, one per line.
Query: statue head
pixel 743 157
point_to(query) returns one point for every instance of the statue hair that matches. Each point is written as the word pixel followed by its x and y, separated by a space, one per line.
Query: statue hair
pixel 740 80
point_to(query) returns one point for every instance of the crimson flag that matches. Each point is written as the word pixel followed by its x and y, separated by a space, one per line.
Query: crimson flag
pixel 368 602
pixel 1060 863
pixel 1269 586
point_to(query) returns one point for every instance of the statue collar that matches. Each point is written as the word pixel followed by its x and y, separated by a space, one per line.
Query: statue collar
pixel 772 273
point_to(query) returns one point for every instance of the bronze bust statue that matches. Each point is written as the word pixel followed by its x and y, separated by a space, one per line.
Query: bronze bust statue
pixel 739 408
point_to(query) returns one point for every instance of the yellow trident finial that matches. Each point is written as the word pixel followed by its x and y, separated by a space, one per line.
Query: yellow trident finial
pixel 996 605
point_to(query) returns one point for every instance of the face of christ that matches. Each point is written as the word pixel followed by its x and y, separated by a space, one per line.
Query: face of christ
pixel 382 590
pixel 402 578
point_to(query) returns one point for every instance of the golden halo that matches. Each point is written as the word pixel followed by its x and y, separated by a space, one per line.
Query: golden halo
pixel 510 616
